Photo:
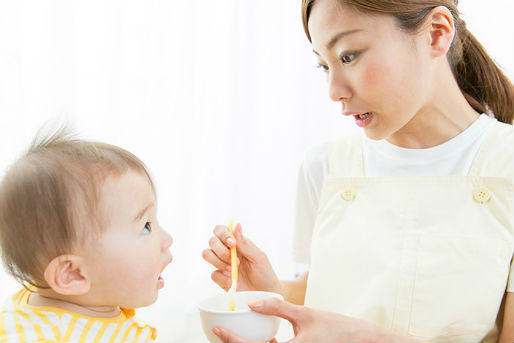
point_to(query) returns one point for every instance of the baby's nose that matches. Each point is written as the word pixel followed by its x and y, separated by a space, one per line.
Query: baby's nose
pixel 168 240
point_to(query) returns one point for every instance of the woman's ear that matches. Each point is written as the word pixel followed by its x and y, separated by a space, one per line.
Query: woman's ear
pixel 65 275
pixel 440 30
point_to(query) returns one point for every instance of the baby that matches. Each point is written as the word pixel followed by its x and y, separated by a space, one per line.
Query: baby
pixel 78 229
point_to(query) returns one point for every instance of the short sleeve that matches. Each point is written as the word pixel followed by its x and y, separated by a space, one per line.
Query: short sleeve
pixel 510 284
pixel 312 175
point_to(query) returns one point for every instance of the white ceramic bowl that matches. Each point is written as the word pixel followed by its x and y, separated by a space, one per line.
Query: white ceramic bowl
pixel 215 311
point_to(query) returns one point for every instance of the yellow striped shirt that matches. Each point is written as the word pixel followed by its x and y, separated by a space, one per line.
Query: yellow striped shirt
pixel 23 323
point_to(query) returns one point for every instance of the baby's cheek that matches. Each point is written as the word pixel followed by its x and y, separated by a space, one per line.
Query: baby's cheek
pixel 149 269
pixel 144 273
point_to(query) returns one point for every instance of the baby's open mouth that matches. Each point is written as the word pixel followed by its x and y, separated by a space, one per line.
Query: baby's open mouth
pixel 160 279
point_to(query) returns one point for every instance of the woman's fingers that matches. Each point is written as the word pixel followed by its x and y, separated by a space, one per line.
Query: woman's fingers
pixel 209 256
pixel 224 236
pixel 246 247
pixel 222 279
pixel 228 336
pixel 219 249
pixel 223 240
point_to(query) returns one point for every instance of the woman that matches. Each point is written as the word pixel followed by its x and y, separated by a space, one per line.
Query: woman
pixel 414 233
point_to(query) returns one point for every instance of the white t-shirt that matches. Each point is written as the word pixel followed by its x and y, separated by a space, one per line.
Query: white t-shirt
pixel 381 158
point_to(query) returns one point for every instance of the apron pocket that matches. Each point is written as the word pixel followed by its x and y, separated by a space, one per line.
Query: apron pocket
pixel 459 285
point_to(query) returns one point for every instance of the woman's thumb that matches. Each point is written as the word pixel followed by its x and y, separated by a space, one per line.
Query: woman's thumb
pixel 245 245
pixel 279 308
pixel 238 232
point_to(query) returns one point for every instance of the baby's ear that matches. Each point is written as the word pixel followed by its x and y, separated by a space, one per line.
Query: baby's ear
pixel 66 275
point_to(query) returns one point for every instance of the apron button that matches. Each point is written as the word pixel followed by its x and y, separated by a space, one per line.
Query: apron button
pixel 348 194
pixel 482 195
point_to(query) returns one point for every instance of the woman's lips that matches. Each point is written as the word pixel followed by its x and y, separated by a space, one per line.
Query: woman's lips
pixel 363 119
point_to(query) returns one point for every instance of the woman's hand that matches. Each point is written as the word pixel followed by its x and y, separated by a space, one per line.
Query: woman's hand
pixel 255 272
pixel 311 325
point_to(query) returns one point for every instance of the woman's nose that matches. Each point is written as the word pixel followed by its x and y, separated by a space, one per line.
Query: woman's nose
pixel 338 87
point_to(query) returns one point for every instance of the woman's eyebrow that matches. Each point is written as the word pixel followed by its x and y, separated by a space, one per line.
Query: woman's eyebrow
pixel 337 37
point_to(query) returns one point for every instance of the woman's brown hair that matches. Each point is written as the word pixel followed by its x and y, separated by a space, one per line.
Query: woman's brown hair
pixel 49 200
pixel 484 85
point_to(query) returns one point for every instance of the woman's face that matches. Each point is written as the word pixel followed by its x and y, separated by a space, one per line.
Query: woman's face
pixel 377 71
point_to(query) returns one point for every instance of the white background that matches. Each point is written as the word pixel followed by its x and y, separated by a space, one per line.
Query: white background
pixel 219 98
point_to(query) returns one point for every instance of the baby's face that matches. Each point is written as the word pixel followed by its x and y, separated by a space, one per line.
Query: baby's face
pixel 125 267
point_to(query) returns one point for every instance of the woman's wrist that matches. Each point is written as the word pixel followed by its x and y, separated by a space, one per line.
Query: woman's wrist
pixel 283 289
pixel 293 291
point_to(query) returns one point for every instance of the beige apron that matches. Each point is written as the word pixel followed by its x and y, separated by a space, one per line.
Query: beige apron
pixel 425 256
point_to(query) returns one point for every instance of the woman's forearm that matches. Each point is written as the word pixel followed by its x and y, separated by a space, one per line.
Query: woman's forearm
pixel 293 291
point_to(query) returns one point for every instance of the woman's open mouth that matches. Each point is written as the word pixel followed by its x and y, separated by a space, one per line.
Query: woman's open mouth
pixel 363 119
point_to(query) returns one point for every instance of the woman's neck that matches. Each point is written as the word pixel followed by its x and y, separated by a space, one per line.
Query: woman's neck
pixel 445 115
pixel 46 298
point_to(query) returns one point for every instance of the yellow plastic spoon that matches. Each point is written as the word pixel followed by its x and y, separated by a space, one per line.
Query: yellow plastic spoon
pixel 233 262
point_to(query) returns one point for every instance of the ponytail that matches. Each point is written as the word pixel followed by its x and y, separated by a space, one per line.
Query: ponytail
pixel 482 82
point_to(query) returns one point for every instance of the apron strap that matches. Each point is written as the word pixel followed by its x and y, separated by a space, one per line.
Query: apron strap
pixel 494 158
pixel 345 157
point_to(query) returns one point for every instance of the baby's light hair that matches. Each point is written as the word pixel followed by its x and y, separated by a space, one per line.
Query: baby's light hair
pixel 49 200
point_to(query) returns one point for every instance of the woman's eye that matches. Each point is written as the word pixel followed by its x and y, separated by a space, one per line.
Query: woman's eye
pixel 147 229
pixel 323 67
pixel 347 57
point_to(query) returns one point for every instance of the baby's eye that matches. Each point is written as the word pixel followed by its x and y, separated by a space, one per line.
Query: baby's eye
pixel 323 67
pixel 147 229
pixel 347 58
